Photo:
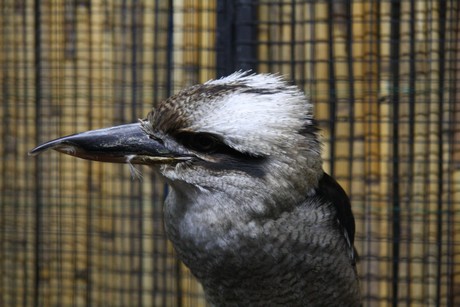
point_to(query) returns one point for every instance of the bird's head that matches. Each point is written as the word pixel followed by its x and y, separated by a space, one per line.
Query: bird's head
pixel 248 135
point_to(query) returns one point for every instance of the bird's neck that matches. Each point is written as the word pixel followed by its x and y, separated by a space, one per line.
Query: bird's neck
pixel 203 219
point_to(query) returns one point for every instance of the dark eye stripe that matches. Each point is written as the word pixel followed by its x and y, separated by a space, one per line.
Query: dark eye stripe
pixel 202 142
pixel 227 157
pixel 211 144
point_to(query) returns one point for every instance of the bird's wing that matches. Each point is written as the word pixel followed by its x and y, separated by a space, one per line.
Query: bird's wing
pixel 329 190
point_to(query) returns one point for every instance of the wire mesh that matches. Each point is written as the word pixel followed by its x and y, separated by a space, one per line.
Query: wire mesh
pixel 384 79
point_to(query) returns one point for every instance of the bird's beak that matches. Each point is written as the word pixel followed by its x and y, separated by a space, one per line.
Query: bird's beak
pixel 119 144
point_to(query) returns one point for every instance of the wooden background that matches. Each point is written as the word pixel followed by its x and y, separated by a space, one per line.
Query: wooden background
pixel 386 94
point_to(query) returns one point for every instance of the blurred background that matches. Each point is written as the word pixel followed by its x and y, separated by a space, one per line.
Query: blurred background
pixel 384 77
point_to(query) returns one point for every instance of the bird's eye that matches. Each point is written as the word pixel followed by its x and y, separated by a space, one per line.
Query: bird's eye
pixel 202 142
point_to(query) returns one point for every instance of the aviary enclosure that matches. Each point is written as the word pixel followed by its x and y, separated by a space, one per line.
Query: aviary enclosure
pixel 384 79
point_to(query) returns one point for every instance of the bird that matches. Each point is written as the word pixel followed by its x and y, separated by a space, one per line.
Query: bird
pixel 250 210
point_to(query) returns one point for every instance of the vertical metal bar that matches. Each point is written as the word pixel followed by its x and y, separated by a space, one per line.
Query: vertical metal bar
pixel 120 111
pixel 369 230
pixel 454 63
pixel 38 163
pixel 245 34
pixel 71 17
pixel 170 51
pixel 156 61
pixel 293 40
pixel 236 34
pixel 312 84
pixel 135 36
pixel 89 187
pixel 394 68
pixel 26 177
pixel 225 40
pixel 411 139
pixel 442 58
pixel 351 85
pixel 332 86
pixel 454 73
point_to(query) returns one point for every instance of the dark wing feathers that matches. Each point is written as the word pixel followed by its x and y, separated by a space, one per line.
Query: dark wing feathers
pixel 329 190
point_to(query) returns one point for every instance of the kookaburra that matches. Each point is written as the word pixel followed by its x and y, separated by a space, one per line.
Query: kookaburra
pixel 250 210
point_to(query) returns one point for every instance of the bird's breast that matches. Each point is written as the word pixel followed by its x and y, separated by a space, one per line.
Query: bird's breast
pixel 298 254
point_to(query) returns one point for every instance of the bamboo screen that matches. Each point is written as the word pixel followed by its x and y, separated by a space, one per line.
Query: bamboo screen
pixel 384 78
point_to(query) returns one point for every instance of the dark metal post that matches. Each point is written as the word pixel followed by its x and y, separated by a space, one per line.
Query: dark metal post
pixel 236 36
